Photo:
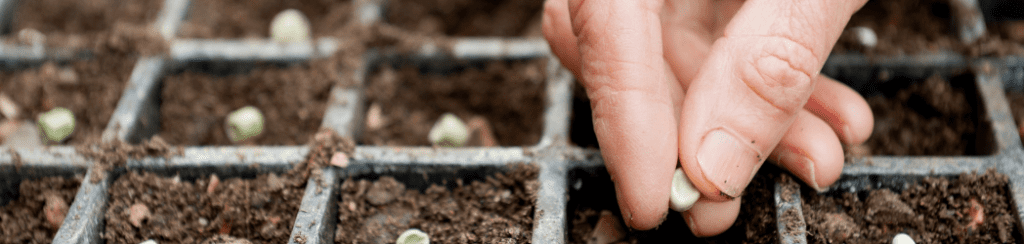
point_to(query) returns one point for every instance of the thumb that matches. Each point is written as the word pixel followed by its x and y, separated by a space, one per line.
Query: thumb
pixel 756 79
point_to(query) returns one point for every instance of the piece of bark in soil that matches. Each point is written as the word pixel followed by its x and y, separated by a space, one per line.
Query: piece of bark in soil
pixel 884 206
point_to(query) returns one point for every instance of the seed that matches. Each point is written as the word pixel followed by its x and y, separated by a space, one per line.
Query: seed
pixel 244 123
pixel 290 26
pixel 449 131
pixel 683 193
pixel 57 124
pixel 865 36
pixel 413 236
pixel 902 238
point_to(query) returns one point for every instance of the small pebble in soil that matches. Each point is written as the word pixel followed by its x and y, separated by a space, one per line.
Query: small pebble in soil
pixel 214 181
pixel 977 214
pixel 290 26
pixel 339 159
pixel 607 230
pixel 55 210
pixel 449 131
pixel 244 123
pixel 683 194
pixel 413 236
pixel 57 124
pixel 902 238
pixel 138 213
pixel 866 36
pixel 7 107
pixel 374 117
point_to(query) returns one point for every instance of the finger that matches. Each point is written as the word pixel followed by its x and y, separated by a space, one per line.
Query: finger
pixel 558 32
pixel 844 109
pixel 709 218
pixel 811 151
pixel 632 101
pixel 757 77
pixel 687 36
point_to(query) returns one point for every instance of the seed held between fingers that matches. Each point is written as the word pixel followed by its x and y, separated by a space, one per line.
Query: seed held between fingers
pixel 683 194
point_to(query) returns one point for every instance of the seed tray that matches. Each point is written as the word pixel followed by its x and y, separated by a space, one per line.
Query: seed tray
pixel 137 115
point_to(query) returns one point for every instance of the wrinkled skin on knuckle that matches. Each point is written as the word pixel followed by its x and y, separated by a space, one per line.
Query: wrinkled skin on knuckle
pixel 780 72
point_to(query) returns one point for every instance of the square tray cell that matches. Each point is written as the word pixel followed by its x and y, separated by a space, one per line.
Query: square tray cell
pixel 452 204
pixel 188 207
pixel 80 24
pixel 466 17
pixel 245 19
pixel 27 192
pixel 197 96
pixel 581 125
pixel 902 27
pixel 89 88
pixel 921 110
pixel 591 192
pixel 969 208
pixel 508 95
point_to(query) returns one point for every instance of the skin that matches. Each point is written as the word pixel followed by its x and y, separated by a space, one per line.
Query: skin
pixel 714 86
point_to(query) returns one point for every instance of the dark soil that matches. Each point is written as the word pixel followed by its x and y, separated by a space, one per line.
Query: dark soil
pixel 24 220
pixel 292 99
pixel 92 94
pixel 497 210
pixel 935 210
pixel 902 27
pixel 242 18
pixel 756 222
pixel 581 125
pixel 918 26
pixel 930 117
pixel 91 23
pixel 511 96
pixel 261 210
pixel 467 17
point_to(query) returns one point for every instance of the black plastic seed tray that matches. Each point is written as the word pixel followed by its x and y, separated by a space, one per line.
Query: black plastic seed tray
pixel 564 168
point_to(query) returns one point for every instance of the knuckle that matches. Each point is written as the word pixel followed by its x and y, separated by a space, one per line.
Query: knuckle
pixel 780 72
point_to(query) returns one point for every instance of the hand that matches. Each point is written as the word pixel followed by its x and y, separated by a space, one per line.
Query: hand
pixel 749 72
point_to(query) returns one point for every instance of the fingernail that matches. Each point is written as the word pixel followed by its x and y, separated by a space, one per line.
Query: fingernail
pixel 728 163
pixel 801 166
pixel 689 223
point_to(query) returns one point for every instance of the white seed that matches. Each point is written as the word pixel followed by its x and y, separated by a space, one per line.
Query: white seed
pixel 865 36
pixel 413 236
pixel 449 131
pixel 374 117
pixel 683 193
pixel 244 123
pixel 57 124
pixel 148 242
pixel 290 26
pixel 902 238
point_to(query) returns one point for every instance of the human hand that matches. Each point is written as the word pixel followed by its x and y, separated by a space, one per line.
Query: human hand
pixel 749 72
